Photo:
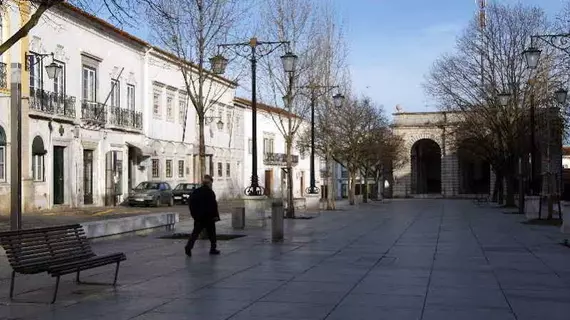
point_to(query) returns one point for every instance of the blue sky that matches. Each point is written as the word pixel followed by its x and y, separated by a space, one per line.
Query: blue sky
pixel 394 43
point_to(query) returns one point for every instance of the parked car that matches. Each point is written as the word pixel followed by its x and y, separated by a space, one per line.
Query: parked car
pixel 183 191
pixel 151 193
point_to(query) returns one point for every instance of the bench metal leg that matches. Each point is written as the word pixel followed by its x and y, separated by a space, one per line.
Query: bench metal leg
pixel 116 273
pixel 77 277
pixel 12 281
pixel 55 291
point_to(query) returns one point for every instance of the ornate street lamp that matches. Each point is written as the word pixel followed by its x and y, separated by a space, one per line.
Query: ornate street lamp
pixel 218 66
pixel 53 70
pixel 504 98
pixel 289 61
pixel 532 56
pixel 561 95
pixel 338 100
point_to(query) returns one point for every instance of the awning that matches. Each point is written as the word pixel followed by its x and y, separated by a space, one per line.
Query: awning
pixel 143 150
pixel 38 146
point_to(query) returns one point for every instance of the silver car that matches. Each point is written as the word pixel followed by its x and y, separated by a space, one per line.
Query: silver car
pixel 151 193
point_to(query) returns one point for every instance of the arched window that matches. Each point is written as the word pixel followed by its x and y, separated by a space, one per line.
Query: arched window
pixel 3 142
pixel 38 155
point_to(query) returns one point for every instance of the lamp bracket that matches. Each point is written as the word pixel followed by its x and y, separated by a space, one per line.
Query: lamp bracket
pixel 41 57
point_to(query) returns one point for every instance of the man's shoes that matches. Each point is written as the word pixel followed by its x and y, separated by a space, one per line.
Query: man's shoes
pixel 188 251
pixel 214 252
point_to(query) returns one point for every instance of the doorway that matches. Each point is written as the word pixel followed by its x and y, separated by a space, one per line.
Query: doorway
pixel 426 167
pixel 268 182
pixel 58 175
pixel 87 176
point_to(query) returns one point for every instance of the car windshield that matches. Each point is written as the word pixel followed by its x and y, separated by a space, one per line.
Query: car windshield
pixel 186 186
pixel 148 186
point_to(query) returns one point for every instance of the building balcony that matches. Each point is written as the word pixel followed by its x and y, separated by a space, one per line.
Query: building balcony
pixel 3 76
pixel 124 119
pixel 93 113
pixel 45 103
pixel 278 159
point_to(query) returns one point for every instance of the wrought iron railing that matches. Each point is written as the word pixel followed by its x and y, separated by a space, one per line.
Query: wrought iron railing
pixel 3 76
pixel 278 159
pixel 125 118
pixel 94 112
pixel 52 103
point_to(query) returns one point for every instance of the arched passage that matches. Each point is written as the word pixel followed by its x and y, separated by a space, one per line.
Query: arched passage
pixel 474 172
pixel 426 167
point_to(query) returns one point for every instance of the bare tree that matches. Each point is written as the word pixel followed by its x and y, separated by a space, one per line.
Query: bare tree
pixel 287 20
pixel 38 7
pixel 455 82
pixel 380 151
pixel 191 31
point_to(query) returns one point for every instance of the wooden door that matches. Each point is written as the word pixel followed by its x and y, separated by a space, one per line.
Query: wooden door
pixel 268 182
pixel 88 176
pixel 58 175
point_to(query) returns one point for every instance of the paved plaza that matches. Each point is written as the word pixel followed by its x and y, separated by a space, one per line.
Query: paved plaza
pixel 402 260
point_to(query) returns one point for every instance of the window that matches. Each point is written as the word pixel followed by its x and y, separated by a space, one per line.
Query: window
pixel 180 168
pixel 36 75
pixel 155 168
pixel 38 155
pixel 220 117
pixel 169 108
pixel 3 143
pixel 267 145
pixel 250 146
pixel 131 97
pixel 59 82
pixel 182 110
pixel 115 93
pixel 157 96
pixel 228 170
pixel 220 170
pixel 89 83
pixel 169 168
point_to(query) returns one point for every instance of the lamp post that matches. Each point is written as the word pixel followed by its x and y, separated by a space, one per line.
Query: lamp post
pixel 249 50
pixel 560 41
pixel 52 70
pixel 338 99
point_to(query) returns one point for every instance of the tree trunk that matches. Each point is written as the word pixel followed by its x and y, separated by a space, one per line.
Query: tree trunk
pixel 351 186
pixel 365 189
pixel 201 147
pixel 511 189
pixel 290 200
pixel 331 189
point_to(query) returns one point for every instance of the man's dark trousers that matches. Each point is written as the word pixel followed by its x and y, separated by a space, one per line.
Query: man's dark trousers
pixel 199 225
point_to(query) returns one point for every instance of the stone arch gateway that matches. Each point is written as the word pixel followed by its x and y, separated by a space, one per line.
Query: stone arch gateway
pixel 432 167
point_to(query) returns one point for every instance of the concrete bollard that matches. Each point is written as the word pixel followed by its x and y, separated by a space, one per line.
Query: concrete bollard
pixel 277 220
pixel 238 218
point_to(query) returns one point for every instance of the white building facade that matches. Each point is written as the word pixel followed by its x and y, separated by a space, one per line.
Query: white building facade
pixel 112 119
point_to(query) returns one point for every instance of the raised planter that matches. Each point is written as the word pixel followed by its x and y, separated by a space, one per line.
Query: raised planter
pixel 109 227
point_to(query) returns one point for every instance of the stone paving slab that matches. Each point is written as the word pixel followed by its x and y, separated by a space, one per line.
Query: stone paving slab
pixel 408 259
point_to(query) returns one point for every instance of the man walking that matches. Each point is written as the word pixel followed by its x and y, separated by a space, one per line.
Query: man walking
pixel 204 210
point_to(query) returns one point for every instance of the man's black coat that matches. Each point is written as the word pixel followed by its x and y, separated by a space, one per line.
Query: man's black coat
pixel 203 205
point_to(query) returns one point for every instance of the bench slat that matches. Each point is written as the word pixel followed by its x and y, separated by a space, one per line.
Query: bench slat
pixel 56 250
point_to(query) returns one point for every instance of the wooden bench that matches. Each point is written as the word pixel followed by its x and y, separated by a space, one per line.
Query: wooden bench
pixel 57 250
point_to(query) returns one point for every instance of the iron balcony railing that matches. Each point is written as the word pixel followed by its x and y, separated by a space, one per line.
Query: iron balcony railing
pixel 3 76
pixel 125 118
pixel 52 103
pixel 93 112
pixel 278 159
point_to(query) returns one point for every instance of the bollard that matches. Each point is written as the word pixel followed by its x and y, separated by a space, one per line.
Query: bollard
pixel 238 218
pixel 277 220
